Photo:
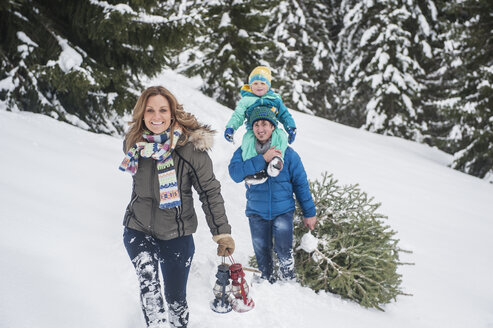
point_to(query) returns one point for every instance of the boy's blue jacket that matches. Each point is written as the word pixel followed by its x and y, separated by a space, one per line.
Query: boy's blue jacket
pixel 275 196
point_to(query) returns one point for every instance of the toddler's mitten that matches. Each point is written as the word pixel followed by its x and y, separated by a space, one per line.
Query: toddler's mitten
pixel 226 244
pixel 228 134
pixel 291 135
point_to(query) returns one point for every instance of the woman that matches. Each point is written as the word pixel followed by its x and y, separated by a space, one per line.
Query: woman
pixel 270 202
pixel 167 154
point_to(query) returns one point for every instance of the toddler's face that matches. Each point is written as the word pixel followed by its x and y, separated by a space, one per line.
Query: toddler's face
pixel 259 88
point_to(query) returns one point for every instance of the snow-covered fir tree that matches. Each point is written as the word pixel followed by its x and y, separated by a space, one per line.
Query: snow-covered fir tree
pixel 347 108
pixel 228 46
pixel 79 61
pixel 417 69
pixel 388 46
pixel 287 24
pixel 467 105
pixel 302 53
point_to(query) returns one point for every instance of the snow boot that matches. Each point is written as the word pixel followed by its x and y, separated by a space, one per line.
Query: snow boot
pixel 275 166
pixel 257 178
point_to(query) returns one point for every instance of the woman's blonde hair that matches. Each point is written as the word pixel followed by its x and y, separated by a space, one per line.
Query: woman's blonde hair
pixel 186 121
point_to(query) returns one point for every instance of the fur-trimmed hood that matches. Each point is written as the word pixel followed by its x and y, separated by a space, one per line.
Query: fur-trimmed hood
pixel 202 138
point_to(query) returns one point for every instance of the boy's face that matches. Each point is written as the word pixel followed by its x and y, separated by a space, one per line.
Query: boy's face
pixel 259 88
pixel 262 129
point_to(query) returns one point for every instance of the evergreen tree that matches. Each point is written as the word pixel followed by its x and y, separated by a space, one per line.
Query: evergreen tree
pixel 388 52
pixel 468 105
pixel 357 255
pixel 228 47
pixel 302 53
pixel 350 104
pixel 377 64
pixel 286 25
pixel 80 61
pixel 437 80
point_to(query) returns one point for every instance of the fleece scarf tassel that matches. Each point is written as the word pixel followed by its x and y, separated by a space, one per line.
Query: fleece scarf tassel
pixel 158 147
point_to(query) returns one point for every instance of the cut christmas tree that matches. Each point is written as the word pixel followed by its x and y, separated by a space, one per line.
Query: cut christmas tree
pixel 356 255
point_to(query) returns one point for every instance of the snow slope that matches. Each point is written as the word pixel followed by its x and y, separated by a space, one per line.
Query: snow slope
pixel 64 264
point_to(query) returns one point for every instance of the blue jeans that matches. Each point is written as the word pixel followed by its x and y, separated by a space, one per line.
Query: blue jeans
pixel 277 232
pixel 174 257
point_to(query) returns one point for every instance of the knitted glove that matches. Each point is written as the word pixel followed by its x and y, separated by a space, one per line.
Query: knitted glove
pixel 226 244
pixel 228 134
pixel 291 134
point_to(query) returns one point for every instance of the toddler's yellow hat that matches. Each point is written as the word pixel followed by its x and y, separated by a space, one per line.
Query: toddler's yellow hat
pixel 260 73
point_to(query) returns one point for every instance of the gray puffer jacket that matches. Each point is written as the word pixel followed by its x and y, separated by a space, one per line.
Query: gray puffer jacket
pixel 193 167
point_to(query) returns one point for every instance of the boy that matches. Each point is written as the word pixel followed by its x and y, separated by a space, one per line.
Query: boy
pixel 257 93
pixel 270 206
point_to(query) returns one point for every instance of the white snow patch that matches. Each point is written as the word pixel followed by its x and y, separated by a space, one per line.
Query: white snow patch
pixel 426 49
pixel 24 38
pixel 242 33
pixel 225 20
pixel 367 35
pixel 308 243
pixel 69 58
pixel 423 23
pixel 61 236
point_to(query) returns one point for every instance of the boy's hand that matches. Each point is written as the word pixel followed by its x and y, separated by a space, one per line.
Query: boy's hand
pixel 228 134
pixel 271 153
pixel 310 222
pixel 291 135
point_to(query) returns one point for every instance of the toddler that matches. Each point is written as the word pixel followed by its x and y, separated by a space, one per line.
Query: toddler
pixel 254 94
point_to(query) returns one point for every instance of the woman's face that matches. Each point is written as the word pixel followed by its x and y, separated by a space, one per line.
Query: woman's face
pixel 157 114
pixel 262 129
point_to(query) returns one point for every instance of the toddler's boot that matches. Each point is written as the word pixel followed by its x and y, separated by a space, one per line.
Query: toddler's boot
pixel 275 166
pixel 257 178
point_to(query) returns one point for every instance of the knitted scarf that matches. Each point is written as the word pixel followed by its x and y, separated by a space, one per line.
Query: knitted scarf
pixel 158 147
pixel 261 149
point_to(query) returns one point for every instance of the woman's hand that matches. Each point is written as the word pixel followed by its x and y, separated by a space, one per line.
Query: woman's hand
pixel 310 222
pixel 225 244
pixel 271 153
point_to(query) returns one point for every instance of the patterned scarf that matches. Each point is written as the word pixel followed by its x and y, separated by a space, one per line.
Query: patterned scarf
pixel 158 147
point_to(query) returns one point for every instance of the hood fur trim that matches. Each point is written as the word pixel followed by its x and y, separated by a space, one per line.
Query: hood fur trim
pixel 202 138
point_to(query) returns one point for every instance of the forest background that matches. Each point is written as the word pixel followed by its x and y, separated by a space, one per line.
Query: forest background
pixel 416 69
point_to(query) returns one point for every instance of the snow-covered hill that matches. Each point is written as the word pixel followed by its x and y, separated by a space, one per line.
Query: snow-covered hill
pixel 64 265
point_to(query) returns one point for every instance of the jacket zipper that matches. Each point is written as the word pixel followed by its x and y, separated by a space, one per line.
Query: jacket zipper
pixel 178 221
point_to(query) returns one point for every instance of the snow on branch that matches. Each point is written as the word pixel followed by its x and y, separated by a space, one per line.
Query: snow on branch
pixel 140 17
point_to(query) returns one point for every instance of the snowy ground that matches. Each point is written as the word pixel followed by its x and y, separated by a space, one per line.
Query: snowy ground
pixel 64 264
